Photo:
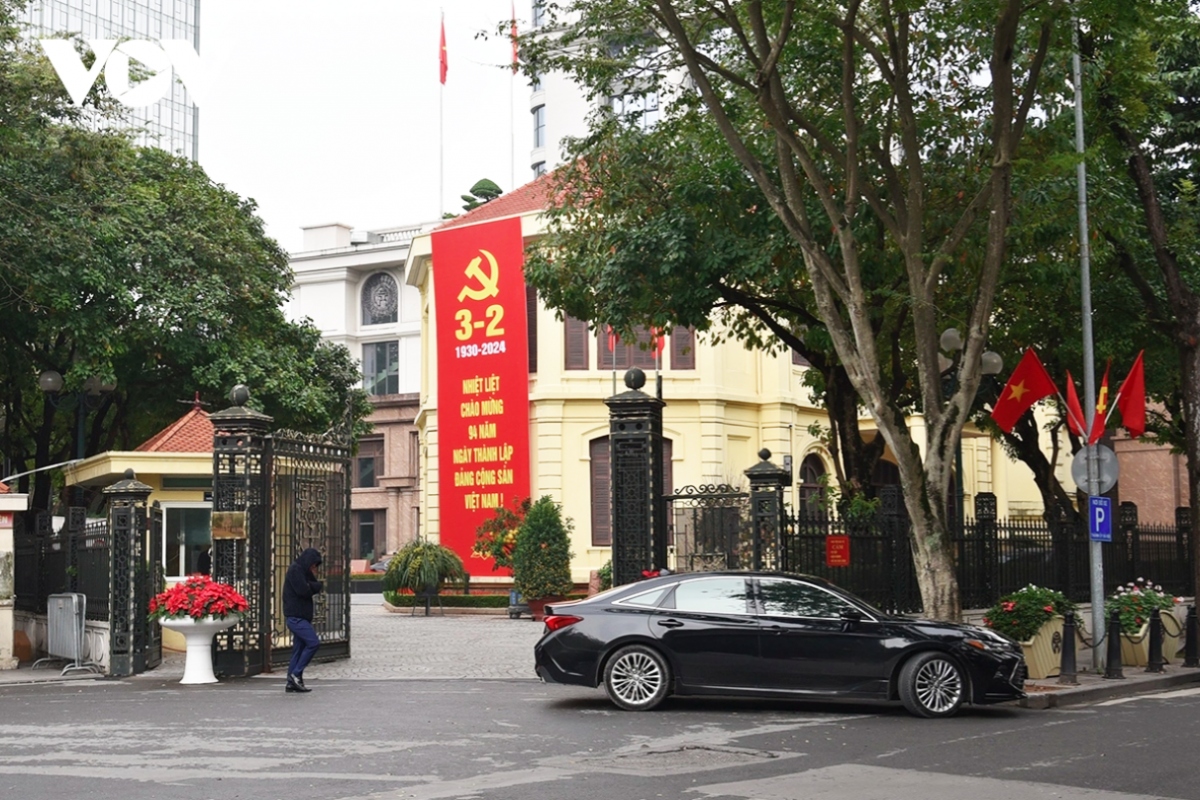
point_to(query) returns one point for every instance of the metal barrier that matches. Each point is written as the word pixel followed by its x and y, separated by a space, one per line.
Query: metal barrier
pixel 66 616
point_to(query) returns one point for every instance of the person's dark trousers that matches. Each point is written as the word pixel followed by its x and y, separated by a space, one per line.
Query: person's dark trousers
pixel 304 645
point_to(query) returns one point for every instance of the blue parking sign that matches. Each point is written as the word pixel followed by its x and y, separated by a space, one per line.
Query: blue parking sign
pixel 1100 519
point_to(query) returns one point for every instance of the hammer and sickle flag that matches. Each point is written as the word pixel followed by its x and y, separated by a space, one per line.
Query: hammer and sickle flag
pixel 488 282
pixel 1029 383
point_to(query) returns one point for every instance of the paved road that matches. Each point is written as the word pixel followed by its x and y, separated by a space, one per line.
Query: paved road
pixel 447 707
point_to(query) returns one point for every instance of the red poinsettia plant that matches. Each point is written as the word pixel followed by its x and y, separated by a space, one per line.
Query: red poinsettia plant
pixel 198 596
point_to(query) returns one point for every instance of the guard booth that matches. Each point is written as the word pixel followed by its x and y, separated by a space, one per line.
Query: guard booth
pixel 274 495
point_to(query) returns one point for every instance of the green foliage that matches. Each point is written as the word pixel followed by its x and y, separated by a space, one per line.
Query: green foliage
pixel 131 265
pixel 496 536
pixel 1135 602
pixel 449 600
pixel 605 574
pixel 1021 614
pixel 484 191
pixel 420 564
pixel 542 556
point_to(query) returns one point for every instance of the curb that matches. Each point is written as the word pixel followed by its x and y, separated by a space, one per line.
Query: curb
pixel 440 611
pixel 1107 689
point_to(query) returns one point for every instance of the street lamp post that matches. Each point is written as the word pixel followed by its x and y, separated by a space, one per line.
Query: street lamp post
pixel 990 365
pixel 87 399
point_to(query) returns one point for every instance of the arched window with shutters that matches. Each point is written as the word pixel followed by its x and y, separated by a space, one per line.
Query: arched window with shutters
pixel 380 299
pixel 812 487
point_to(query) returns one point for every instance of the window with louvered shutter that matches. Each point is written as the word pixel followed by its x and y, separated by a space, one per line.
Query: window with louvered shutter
pixel 627 353
pixel 602 502
pixel 601 511
pixel 683 348
pixel 531 325
pixel 577 341
pixel 799 360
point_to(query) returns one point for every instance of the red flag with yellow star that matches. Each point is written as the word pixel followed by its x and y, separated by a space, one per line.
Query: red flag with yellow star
pixel 1029 383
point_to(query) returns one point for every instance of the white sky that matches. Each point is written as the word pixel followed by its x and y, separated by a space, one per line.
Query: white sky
pixel 328 111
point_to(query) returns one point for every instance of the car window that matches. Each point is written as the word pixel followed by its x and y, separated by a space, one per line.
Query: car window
pixel 650 599
pixel 796 599
pixel 712 596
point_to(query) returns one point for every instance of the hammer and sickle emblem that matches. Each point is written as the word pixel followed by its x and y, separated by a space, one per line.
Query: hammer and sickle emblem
pixel 487 283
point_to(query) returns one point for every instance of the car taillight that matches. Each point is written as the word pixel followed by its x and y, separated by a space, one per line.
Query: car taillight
pixel 555 622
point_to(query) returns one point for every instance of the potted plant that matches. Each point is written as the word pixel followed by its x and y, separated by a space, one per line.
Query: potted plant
pixel 1033 616
pixel 1134 603
pixel 542 556
pixel 421 567
pixel 198 607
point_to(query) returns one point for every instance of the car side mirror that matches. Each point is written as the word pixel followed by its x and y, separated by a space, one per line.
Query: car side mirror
pixel 851 615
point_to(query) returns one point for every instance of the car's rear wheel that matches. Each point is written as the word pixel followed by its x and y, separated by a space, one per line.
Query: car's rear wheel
pixel 637 678
pixel 932 685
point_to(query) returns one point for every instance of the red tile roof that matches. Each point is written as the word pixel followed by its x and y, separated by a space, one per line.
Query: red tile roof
pixel 530 197
pixel 191 433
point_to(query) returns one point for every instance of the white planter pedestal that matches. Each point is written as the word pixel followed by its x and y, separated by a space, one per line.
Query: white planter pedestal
pixel 198 633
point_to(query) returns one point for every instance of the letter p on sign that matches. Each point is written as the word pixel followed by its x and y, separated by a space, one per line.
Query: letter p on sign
pixel 1100 519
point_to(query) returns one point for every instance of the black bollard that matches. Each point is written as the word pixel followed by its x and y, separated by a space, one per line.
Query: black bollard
pixel 1191 654
pixel 1156 661
pixel 1113 668
pixel 1067 670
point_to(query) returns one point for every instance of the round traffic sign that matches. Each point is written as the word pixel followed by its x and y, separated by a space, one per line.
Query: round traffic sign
pixel 1106 468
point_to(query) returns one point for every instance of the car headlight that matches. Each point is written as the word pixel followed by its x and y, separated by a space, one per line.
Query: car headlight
pixel 989 641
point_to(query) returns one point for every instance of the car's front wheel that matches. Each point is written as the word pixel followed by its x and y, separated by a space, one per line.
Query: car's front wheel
pixel 637 678
pixel 932 685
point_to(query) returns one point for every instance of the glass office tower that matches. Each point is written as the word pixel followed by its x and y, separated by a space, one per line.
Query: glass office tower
pixel 173 122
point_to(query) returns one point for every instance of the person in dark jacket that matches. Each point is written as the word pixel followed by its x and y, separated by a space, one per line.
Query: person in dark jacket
pixel 300 585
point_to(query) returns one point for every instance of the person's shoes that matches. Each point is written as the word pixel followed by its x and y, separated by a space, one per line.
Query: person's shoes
pixel 299 679
pixel 295 685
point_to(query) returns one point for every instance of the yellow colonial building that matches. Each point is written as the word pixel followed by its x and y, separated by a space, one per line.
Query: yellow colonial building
pixel 724 403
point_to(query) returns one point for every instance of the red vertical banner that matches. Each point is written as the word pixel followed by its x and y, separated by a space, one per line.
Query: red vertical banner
pixel 483 378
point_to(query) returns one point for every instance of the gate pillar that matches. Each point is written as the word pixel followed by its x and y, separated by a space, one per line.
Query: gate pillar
pixel 766 497
pixel 639 513
pixel 128 575
pixel 241 542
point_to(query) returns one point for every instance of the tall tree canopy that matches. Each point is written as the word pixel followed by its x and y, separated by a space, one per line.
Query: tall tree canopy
pixel 130 266
pixel 883 137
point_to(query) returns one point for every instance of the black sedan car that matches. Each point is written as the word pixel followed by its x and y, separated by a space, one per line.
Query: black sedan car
pixel 753 634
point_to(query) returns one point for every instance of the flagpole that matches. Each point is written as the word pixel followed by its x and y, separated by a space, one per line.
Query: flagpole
pixel 441 124
pixel 512 114
pixel 1089 367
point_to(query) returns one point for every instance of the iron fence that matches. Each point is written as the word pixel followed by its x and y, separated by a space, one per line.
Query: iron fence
pixel 992 557
pixel 73 560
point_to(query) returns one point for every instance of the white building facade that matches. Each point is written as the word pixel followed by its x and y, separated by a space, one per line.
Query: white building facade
pixel 351 284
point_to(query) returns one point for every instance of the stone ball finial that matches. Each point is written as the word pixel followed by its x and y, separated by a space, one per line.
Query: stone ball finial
pixel 635 378
pixel 130 474
pixel 240 395
pixel 764 454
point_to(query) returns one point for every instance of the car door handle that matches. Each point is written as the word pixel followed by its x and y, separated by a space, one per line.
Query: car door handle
pixel 775 629
pixel 670 623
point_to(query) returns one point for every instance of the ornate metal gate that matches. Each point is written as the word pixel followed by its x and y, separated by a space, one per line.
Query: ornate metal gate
pixel 311 503
pixel 273 496
pixel 710 528
pixel 135 575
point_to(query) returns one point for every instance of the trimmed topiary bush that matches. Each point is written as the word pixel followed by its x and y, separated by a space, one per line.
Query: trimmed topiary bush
pixel 542 555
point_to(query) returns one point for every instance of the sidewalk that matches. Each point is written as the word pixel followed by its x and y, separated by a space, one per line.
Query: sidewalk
pixel 400 646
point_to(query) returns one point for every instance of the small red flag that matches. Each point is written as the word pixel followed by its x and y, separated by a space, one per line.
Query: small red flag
pixel 1101 408
pixel 659 340
pixel 1131 399
pixel 514 37
pixel 1029 383
pixel 443 60
pixel 612 338
pixel 1075 418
